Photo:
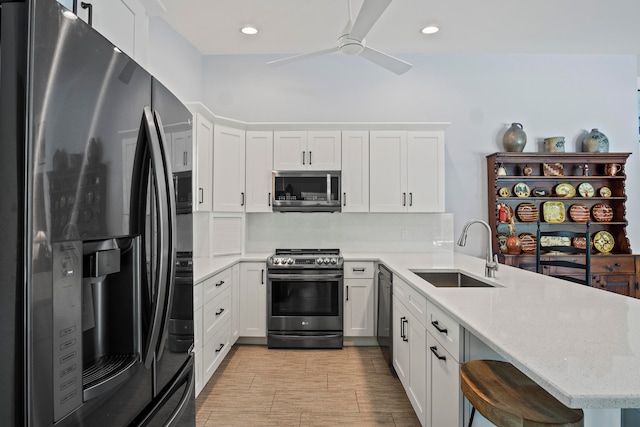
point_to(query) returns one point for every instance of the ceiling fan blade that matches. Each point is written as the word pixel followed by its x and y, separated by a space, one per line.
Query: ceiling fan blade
pixel 369 13
pixel 303 56
pixel 389 62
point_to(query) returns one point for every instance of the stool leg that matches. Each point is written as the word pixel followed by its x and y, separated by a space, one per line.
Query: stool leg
pixel 473 412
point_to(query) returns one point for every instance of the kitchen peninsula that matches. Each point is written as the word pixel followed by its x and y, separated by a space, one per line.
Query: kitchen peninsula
pixel 581 344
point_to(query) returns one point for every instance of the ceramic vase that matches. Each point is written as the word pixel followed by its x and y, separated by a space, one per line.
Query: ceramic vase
pixel 514 138
pixel 514 244
pixel 595 142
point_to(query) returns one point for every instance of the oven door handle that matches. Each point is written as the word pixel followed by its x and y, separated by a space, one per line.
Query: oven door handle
pixel 304 277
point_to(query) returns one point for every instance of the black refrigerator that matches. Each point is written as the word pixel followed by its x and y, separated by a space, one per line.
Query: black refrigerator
pixel 96 285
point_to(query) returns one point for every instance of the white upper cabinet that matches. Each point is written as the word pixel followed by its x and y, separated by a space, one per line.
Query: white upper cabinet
pixel 259 165
pixel 355 171
pixel 307 150
pixel 228 169
pixel 406 171
pixel 123 22
pixel 181 148
pixel 202 201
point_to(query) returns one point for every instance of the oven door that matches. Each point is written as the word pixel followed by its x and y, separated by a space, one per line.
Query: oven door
pixel 305 300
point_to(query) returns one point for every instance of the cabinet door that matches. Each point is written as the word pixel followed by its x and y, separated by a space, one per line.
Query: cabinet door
pixel 417 391
pixel 388 176
pixel 124 23
pixel 259 165
pixel 400 346
pixel 253 299
pixel 181 147
pixel 425 171
pixel 228 169
pixel 358 307
pixel 444 398
pixel 204 164
pixel 355 171
pixel 290 150
pixel 623 284
pixel 324 150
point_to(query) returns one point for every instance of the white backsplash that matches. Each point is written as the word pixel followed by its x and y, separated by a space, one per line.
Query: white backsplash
pixel 351 232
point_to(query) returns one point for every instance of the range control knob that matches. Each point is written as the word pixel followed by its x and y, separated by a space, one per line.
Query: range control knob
pixel 334 261
pixel 326 261
pixel 290 261
pixel 319 261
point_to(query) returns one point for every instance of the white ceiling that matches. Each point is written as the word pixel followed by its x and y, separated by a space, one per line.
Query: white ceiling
pixel 467 26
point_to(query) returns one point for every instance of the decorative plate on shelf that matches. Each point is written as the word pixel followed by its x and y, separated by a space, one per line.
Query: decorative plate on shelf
pixel 539 192
pixel 521 190
pixel 553 211
pixel 553 169
pixel 502 242
pixel 527 212
pixel 579 212
pixel 586 190
pixel 580 242
pixel 602 212
pixel 546 241
pixel 565 190
pixel 504 192
pixel 528 241
pixel 603 241
pixel 605 192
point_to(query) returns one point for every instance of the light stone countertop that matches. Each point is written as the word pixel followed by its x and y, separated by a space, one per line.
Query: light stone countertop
pixel 581 344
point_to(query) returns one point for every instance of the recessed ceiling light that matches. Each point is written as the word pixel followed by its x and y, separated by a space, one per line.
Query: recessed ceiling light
pixel 431 29
pixel 249 29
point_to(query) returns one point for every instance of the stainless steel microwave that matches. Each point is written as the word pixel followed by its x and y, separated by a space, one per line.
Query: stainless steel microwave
pixel 306 191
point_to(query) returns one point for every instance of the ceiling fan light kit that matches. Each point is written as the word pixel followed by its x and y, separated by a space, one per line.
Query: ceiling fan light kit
pixel 351 41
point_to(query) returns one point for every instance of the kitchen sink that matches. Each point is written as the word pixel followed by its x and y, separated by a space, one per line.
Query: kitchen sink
pixel 451 279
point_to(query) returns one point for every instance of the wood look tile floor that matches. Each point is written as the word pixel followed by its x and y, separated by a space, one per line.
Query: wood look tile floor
pixel 256 386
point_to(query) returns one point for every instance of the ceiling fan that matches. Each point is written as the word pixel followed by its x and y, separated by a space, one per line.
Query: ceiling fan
pixel 351 42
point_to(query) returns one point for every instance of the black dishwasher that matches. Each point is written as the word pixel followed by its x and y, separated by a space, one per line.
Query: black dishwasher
pixel 385 329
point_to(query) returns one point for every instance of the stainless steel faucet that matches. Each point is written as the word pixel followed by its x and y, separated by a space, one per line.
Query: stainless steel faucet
pixel 492 262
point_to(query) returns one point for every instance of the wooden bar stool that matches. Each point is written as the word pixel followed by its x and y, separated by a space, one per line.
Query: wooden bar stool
pixel 507 397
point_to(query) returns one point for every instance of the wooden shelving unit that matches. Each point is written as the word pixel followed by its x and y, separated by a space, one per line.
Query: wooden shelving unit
pixel 617 270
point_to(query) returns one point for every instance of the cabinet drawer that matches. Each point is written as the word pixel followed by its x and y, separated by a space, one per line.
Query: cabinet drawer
pixel 444 329
pixel 613 264
pixel 198 295
pixel 217 284
pixel 214 352
pixel 415 302
pixel 358 270
pixel 215 313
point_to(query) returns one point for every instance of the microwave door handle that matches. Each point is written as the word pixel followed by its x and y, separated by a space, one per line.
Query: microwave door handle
pixel 170 208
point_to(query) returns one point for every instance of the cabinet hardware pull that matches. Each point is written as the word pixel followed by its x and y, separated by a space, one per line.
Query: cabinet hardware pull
pixel 201 190
pixel 303 158
pixel 437 326
pixel 220 283
pixel 361 270
pixel 403 334
pixel 347 292
pixel 89 6
pixel 404 199
pixel 184 158
pixel 309 157
pixel 269 199
pixel 410 199
pixel 242 201
pixel 219 348
pixel 262 277
pixel 344 199
pixel 218 313
pixel 434 350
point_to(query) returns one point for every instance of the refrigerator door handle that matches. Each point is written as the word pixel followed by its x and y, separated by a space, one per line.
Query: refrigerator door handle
pixel 149 153
pixel 171 215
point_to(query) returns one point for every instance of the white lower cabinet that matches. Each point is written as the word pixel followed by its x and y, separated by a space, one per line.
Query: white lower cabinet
pixel 253 299
pixel 235 302
pixel 410 357
pixel 444 404
pixel 358 299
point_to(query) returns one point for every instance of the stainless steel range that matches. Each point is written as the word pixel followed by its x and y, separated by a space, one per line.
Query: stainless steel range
pixel 304 298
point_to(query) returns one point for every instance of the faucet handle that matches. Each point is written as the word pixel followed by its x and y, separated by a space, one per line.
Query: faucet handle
pixel 495 260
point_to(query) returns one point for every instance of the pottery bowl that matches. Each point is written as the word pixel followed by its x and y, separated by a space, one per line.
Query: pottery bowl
pixel 554 144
